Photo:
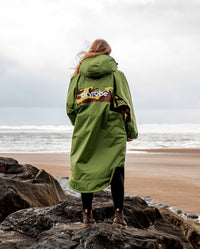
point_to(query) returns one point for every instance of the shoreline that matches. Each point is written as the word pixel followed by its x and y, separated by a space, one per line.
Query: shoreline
pixel 182 151
pixel 169 176
pixel 175 151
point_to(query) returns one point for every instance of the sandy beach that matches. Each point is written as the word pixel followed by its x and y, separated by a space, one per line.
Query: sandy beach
pixel 169 176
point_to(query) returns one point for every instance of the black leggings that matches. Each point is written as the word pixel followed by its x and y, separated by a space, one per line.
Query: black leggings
pixel 117 189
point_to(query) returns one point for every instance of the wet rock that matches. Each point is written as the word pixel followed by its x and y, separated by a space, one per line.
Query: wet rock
pixel 147 198
pixel 7 163
pixel 190 228
pixel 192 216
pixel 59 227
pixel 152 204
pixel 178 211
pixel 24 186
pixel 166 206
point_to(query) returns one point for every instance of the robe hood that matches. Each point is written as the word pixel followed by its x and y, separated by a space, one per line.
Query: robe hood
pixel 98 66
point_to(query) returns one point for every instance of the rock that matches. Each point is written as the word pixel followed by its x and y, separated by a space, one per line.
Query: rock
pixel 190 229
pixel 178 211
pixel 166 206
pixel 7 163
pixel 192 216
pixel 147 198
pixel 24 186
pixel 152 204
pixel 59 227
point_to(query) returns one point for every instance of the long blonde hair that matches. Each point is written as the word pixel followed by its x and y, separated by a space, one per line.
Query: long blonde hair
pixel 99 46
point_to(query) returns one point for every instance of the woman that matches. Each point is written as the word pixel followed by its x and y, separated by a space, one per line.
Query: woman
pixel 100 108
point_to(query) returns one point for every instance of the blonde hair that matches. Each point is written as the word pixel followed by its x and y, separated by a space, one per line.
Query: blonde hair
pixel 99 46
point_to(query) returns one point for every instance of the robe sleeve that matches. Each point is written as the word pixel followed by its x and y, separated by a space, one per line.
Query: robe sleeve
pixel 122 102
pixel 71 99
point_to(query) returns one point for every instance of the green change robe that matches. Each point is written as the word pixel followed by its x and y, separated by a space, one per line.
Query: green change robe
pixel 99 106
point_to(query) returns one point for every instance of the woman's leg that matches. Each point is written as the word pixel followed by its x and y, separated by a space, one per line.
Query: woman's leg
pixel 87 201
pixel 117 188
pixel 88 219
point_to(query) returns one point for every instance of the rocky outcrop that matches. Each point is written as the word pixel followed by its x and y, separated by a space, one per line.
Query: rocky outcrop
pixel 60 227
pixel 190 229
pixel 24 186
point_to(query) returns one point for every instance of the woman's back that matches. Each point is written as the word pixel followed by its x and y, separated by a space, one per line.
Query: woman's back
pixel 100 108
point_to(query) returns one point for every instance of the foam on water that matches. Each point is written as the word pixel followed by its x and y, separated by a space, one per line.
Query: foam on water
pixel 57 139
pixel 36 128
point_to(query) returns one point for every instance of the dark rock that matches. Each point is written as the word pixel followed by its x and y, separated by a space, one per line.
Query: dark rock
pixel 24 186
pixel 192 216
pixel 59 227
pixel 6 164
pixel 178 211
pixel 190 228
pixel 166 206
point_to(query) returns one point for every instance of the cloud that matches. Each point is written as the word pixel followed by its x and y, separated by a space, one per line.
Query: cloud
pixel 5 64
pixel 155 42
pixel 24 89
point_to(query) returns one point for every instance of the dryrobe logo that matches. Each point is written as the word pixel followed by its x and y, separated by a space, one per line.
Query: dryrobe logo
pixel 94 94
pixel 91 94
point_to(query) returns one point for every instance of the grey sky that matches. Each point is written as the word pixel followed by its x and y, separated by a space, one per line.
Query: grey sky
pixel 156 44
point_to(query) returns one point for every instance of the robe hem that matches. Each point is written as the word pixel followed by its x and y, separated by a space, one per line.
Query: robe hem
pixel 91 191
pixel 96 190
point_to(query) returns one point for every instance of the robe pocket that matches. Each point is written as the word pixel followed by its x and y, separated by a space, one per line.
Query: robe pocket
pixel 116 118
pixel 115 127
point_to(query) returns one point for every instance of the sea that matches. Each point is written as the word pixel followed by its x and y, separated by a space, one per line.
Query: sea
pixel 57 138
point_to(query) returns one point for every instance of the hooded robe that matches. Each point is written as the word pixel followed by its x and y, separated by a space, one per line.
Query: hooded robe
pixel 99 106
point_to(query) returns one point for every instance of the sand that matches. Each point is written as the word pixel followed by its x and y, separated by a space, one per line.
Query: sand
pixel 169 176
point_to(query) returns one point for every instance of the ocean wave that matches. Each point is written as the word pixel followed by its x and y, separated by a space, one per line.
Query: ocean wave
pixel 169 128
pixel 57 138
pixel 37 128
pixel 143 128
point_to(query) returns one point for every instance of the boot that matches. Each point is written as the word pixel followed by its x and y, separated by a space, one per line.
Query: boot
pixel 88 219
pixel 119 221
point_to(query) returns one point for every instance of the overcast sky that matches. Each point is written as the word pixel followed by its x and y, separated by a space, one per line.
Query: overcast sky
pixel 155 42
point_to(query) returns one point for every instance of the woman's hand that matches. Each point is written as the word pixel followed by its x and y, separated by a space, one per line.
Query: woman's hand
pixel 129 139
